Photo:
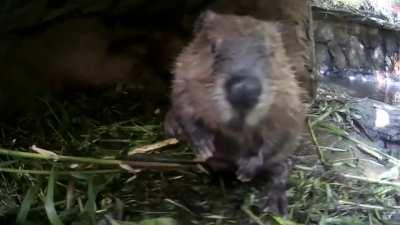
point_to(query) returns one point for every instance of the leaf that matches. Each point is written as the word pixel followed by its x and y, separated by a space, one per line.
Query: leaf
pixel 26 204
pixel 49 203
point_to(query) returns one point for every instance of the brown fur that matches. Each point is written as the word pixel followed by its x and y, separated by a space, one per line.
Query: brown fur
pixel 298 40
pixel 199 113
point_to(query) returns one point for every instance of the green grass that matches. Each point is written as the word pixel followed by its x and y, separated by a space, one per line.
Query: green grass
pixel 76 177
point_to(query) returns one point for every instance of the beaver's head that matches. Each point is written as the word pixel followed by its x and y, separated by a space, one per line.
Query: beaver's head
pixel 233 69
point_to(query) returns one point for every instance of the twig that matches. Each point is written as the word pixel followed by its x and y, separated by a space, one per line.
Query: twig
pixel 165 165
pixel 333 149
pixel 56 157
pixel 369 180
pixel 368 206
pixel 304 168
pixel 315 141
pixel 353 177
pixel 152 147
pixel 46 172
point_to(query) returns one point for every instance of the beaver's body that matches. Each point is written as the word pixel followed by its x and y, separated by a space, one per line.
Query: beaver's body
pixel 236 100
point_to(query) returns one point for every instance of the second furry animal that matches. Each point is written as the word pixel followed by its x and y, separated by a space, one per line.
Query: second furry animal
pixel 236 101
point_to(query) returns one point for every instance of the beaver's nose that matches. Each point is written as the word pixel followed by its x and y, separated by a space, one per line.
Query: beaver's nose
pixel 243 91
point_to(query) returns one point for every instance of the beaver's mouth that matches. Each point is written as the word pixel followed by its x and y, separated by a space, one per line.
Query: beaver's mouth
pixel 237 122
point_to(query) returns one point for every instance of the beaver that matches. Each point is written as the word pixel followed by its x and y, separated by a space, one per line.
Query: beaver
pixel 236 101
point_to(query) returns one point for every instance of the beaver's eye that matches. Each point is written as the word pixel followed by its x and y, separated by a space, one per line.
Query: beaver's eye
pixel 213 47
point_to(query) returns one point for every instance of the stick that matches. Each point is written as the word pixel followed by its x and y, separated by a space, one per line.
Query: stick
pixel 152 165
pixel 152 147
pixel 47 172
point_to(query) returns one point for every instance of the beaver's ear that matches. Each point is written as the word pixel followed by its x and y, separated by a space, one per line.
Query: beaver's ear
pixel 204 18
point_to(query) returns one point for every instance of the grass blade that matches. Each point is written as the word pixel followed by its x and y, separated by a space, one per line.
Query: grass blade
pixel 91 204
pixel 49 203
pixel 26 204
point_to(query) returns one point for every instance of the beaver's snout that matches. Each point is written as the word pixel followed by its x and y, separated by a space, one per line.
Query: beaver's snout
pixel 243 91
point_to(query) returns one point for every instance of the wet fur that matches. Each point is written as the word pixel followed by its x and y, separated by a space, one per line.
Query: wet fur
pixel 200 112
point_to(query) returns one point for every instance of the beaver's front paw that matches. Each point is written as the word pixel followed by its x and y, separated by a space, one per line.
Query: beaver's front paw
pixel 249 167
pixel 172 128
pixel 275 202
